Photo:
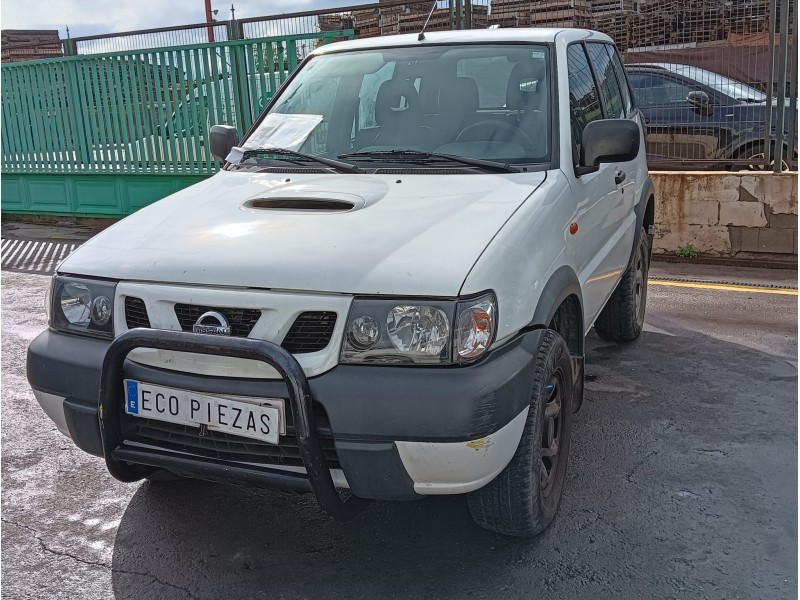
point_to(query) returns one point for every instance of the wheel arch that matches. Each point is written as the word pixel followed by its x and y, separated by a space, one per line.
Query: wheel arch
pixel 645 210
pixel 562 292
pixel 560 308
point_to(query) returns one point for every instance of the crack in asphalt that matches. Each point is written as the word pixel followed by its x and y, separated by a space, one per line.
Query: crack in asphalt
pixel 47 549
pixel 629 475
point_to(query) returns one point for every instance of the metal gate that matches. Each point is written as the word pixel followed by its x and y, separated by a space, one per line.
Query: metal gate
pixel 106 134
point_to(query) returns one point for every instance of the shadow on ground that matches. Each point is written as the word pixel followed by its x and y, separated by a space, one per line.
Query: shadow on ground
pixel 678 457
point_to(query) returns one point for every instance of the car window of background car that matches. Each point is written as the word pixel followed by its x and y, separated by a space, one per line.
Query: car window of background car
pixel 606 80
pixel 655 90
pixel 619 71
pixel 583 99
pixel 729 87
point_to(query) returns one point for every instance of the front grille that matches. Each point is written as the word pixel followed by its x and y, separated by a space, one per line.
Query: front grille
pixel 310 332
pixel 241 320
pixel 136 313
pixel 227 447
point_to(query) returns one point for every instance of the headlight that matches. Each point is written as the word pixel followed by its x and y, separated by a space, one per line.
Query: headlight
pixel 421 330
pixel 418 332
pixel 83 306
pixel 475 327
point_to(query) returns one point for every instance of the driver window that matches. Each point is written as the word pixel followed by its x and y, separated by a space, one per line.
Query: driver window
pixel 584 101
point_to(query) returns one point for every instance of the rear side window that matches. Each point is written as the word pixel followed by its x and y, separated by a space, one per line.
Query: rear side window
pixel 606 81
pixel 584 102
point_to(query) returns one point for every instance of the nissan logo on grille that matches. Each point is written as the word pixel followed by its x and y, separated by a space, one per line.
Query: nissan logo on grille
pixel 212 322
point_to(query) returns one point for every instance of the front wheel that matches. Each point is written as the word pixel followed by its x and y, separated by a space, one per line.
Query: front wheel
pixel 622 317
pixel 522 500
pixel 757 154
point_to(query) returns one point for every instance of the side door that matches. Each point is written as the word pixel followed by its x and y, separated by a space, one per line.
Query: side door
pixel 605 217
pixel 678 128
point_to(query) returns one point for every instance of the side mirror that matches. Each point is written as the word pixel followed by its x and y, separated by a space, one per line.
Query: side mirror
pixel 222 138
pixel 608 140
pixel 700 102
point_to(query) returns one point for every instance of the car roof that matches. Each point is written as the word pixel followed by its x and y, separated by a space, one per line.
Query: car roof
pixel 469 36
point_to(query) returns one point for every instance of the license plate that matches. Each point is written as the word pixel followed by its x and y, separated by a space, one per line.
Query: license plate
pixel 257 418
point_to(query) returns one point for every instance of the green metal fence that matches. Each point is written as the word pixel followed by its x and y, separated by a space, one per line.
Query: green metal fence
pixel 139 118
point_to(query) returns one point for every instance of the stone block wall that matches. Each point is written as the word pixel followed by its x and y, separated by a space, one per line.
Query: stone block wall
pixel 742 214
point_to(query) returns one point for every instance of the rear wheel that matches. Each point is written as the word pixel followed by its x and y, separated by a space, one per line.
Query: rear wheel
pixel 522 500
pixel 622 317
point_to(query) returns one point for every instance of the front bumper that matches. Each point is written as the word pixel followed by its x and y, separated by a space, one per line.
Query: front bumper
pixel 398 431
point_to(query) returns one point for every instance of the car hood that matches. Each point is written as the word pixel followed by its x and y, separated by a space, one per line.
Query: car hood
pixel 383 234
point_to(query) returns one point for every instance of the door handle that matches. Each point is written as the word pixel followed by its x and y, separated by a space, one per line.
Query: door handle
pixel 619 177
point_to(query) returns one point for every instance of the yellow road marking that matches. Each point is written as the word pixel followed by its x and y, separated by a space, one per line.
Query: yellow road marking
pixel 724 286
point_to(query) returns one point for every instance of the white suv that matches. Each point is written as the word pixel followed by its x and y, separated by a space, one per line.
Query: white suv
pixel 384 290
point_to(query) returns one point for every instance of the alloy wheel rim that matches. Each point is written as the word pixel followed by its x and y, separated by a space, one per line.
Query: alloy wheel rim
pixel 758 163
pixel 552 426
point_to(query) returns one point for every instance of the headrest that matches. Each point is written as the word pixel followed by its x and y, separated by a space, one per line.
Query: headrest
pixel 459 95
pixel 522 72
pixel 396 99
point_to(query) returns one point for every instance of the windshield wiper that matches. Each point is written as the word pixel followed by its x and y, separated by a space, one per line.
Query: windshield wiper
pixel 416 155
pixel 338 165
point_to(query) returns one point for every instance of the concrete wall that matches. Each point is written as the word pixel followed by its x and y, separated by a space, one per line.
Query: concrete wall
pixel 743 214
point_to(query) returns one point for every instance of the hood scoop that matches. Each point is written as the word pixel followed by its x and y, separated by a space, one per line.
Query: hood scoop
pixel 325 194
pixel 326 205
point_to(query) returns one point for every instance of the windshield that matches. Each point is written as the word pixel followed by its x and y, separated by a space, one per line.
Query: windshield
pixel 479 101
pixel 729 87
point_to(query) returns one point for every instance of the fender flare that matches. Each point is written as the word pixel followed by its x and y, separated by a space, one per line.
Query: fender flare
pixel 640 209
pixel 562 284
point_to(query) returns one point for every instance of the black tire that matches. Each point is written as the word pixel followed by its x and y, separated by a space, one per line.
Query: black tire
pixel 622 317
pixel 523 499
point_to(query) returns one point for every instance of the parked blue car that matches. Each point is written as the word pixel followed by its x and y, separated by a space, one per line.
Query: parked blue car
pixel 694 114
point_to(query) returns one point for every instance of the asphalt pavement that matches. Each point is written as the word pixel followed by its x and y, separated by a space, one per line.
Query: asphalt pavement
pixel 682 483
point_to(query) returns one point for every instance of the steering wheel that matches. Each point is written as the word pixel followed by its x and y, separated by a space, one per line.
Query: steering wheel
pixel 495 125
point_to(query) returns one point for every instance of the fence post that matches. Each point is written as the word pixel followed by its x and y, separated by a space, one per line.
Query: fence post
pixel 468 14
pixel 69 47
pixel 792 124
pixel 238 70
pixel 784 67
pixel 79 106
pixel 772 15
pixel 291 54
